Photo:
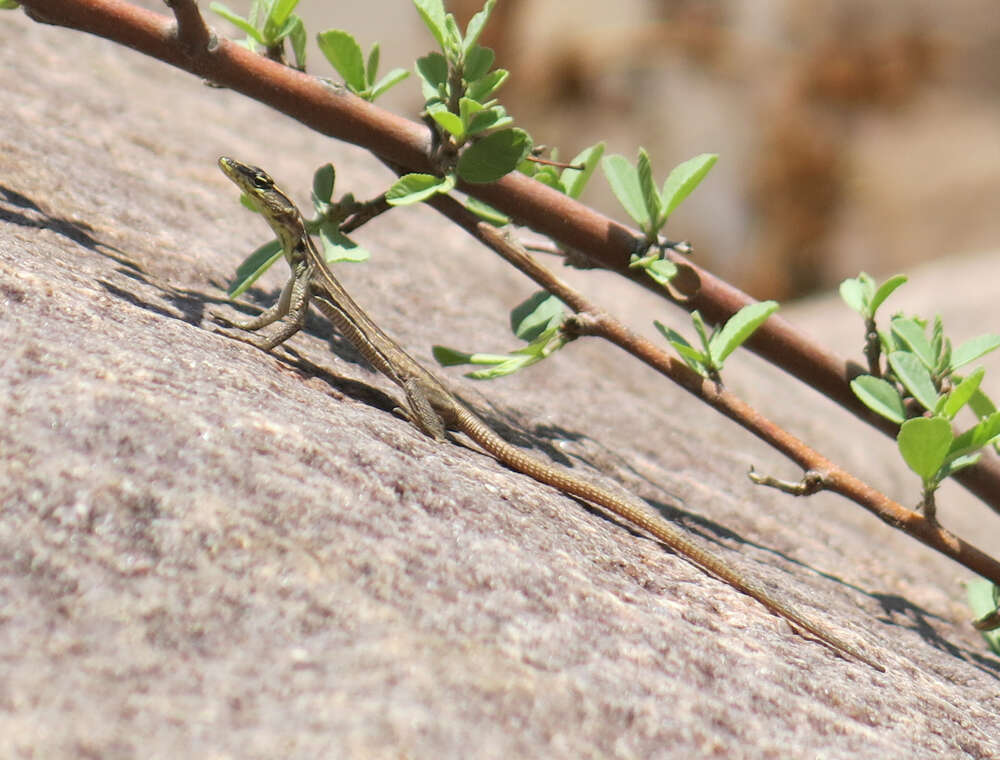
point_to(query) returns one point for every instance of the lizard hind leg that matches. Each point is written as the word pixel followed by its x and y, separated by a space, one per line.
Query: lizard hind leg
pixel 420 412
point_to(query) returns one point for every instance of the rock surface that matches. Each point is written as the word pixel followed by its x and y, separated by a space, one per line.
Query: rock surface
pixel 208 551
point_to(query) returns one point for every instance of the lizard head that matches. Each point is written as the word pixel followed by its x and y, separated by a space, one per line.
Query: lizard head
pixel 267 198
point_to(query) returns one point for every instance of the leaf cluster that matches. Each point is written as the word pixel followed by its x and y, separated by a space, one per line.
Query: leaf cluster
pixel 268 24
pixel 919 387
pixel 477 142
pixel 538 321
pixel 707 360
pixel 639 196
pixel 360 75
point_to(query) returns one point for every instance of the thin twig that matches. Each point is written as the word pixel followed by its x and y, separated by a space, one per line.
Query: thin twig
pixel 195 37
pixel 365 213
pixel 820 471
pixel 811 482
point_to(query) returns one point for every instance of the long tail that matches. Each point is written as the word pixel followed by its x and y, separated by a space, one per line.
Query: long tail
pixel 667 533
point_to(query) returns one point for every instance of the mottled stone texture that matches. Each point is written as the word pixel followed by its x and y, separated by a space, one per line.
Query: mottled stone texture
pixel 206 551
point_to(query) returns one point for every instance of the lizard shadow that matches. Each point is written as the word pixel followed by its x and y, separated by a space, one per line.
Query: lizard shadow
pixel 318 327
pixel 191 304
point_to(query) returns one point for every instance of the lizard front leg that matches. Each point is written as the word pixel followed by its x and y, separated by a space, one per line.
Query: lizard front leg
pixel 293 302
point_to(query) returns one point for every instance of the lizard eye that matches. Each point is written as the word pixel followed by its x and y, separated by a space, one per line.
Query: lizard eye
pixel 262 182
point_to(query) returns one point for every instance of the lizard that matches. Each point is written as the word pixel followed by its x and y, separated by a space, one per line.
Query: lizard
pixel 433 409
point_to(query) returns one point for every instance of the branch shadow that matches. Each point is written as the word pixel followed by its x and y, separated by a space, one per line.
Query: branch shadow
pixel 17 208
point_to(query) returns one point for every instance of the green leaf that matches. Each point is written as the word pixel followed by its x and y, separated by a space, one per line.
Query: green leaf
pixel 547 175
pixel 497 154
pixel 249 203
pixel 972 349
pixel 324 179
pixel 943 366
pixel 670 333
pixel 296 33
pixel 371 67
pixel 475 28
pixel 650 197
pixel 853 293
pixel 982 597
pixel 8 5
pixel 574 180
pixel 885 290
pixel 535 315
pixel 683 179
pixel 915 378
pixel 738 328
pixel 259 10
pixel 237 21
pixel 913 336
pixel 981 404
pixel 976 437
pixel 924 444
pixel 467 107
pixel 961 394
pixel 477 62
pixel 660 270
pixel 880 396
pixel 702 330
pixel 432 12
pixel 450 122
pixel 890 342
pixel 281 31
pixel 482 89
pixel 281 10
pixel 450 357
pixel 254 266
pixel 958 463
pixel 509 367
pixel 344 54
pixel 433 71
pixel 499 364
pixel 624 181
pixel 490 118
pixel 390 80
pixel 338 247
pixel 694 358
pixel 413 188
pixel 452 38
pixel 486 212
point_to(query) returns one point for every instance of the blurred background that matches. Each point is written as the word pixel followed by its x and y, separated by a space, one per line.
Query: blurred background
pixel 852 135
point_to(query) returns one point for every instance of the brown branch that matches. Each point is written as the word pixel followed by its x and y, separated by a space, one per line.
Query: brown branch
pixel 336 113
pixel 820 471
